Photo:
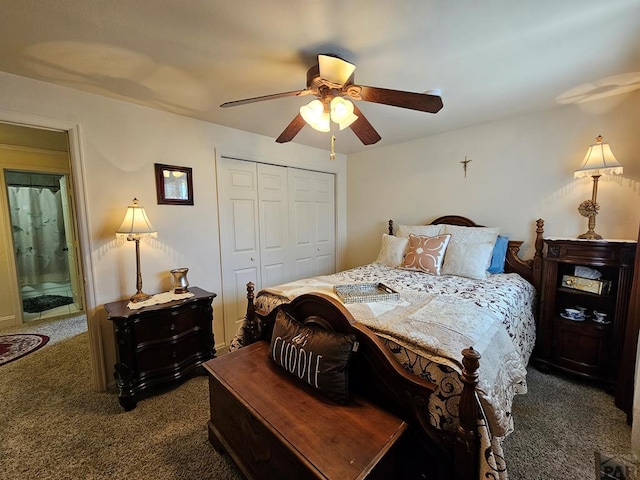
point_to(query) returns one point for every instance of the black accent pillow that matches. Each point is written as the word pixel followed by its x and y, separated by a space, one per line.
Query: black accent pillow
pixel 313 355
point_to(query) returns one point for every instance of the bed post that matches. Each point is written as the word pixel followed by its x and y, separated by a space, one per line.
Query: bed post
pixel 467 448
pixel 537 257
pixel 390 227
pixel 251 322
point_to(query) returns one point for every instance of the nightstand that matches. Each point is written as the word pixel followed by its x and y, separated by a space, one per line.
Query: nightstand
pixel 585 347
pixel 160 344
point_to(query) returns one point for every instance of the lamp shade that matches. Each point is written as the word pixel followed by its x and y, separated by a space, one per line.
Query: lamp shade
pixel 599 160
pixel 136 223
pixel 342 112
pixel 313 113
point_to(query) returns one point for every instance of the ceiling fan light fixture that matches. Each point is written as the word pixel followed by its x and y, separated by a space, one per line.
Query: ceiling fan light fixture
pixel 313 113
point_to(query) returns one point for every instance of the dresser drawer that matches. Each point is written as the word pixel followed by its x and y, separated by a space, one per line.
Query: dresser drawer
pixel 590 253
pixel 166 326
pixel 160 356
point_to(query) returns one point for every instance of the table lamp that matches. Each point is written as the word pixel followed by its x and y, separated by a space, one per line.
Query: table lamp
pixel 598 161
pixel 136 225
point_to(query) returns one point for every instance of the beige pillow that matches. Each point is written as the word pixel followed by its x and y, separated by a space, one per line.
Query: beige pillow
pixel 426 253
pixel 469 251
pixel 424 230
pixel 392 250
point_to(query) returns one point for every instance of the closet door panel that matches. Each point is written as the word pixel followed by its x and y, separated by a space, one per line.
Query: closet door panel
pixel 239 237
pixel 304 267
pixel 275 258
pixel 313 229
pixel 325 234
pixel 243 231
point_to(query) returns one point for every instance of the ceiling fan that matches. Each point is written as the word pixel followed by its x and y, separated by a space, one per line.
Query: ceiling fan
pixel 331 80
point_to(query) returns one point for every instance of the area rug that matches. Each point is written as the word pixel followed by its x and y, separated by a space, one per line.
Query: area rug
pixel 13 347
pixel 44 302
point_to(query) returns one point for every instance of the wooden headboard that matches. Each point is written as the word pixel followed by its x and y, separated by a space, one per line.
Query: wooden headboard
pixel 530 270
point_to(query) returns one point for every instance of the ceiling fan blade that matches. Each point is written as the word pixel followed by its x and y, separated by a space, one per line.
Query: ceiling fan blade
pixel 363 129
pixel 292 129
pixel 266 97
pixel 334 69
pixel 423 102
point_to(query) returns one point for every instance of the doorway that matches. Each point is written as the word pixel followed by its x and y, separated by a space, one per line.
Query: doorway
pixel 40 250
pixel 42 230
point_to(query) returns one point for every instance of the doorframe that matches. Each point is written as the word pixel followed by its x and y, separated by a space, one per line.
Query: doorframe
pixel 77 164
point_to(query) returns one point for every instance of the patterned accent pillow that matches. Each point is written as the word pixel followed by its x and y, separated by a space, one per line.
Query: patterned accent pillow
pixel 470 250
pixel 426 254
pixel 392 250
pixel 424 230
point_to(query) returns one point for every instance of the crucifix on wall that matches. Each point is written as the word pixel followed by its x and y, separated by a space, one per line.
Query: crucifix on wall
pixel 464 163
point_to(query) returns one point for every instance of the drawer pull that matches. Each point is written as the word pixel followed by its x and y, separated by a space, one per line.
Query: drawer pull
pixel 172 327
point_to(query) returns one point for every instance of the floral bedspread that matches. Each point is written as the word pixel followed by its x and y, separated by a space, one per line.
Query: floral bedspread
pixel 426 329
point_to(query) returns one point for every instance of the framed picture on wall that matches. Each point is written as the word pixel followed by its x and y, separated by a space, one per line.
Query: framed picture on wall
pixel 174 185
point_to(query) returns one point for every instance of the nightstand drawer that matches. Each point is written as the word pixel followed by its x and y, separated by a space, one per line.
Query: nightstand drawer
pixel 165 326
pixel 159 356
pixel 590 253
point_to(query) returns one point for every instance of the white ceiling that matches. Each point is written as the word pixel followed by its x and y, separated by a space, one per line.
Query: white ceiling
pixel 490 59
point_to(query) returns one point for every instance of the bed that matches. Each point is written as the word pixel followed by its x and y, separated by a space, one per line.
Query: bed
pixel 459 422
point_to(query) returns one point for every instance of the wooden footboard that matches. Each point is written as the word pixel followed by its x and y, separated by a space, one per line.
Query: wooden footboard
pixel 375 373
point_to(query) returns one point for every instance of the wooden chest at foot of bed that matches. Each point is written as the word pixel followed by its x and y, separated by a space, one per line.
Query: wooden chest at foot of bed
pixel 277 428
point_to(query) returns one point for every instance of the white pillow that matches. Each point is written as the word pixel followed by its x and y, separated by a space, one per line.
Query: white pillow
pixel 469 251
pixel 392 250
pixel 420 230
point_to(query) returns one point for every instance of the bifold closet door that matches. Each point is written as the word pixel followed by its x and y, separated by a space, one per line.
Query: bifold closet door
pixel 312 225
pixel 277 224
pixel 254 231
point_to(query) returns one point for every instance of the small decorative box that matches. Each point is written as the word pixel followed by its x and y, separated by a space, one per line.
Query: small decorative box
pixel 599 287
pixel 365 292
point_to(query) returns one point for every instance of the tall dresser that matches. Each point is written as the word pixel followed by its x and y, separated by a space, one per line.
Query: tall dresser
pixel 160 345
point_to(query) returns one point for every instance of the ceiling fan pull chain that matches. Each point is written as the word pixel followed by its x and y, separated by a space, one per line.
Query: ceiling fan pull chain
pixel 333 144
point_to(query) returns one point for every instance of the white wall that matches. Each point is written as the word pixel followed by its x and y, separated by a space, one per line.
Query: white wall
pixel 521 170
pixel 119 144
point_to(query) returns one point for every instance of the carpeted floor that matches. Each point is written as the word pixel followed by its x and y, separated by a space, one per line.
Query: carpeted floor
pixel 559 424
pixel 53 426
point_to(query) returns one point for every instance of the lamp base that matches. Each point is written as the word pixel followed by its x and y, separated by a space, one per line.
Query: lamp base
pixel 590 235
pixel 139 297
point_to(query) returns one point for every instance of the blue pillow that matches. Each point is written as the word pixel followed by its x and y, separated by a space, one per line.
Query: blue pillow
pixel 499 255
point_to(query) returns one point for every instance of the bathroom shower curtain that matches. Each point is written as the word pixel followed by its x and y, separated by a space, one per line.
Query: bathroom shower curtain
pixel 38 235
